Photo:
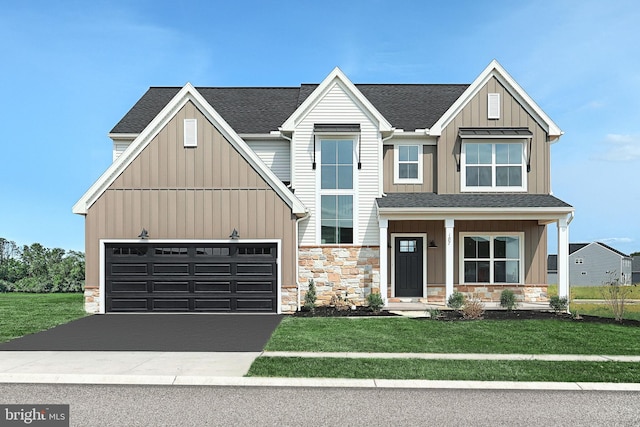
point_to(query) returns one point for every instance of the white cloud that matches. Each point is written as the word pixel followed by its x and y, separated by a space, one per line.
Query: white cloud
pixel 620 148
pixel 613 240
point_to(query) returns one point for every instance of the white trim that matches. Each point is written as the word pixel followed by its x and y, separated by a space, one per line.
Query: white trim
pixel 336 77
pixel 104 242
pixel 493 106
pixel 417 213
pixel 492 235
pixel 383 229
pixel 396 164
pixel 190 129
pixel 424 261
pixel 494 69
pixel 186 94
pixel 493 188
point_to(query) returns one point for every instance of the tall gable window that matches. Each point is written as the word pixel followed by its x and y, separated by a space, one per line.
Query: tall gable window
pixel 493 166
pixel 336 191
pixel 408 164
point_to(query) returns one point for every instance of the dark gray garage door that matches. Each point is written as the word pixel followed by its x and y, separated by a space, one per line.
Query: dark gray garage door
pixel 225 277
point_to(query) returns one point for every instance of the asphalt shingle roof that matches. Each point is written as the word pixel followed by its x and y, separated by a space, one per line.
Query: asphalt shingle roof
pixel 483 200
pixel 263 109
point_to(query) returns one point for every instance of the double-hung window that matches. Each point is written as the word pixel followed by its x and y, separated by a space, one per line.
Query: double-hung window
pixel 493 166
pixel 492 258
pixel 336 191
pixel 408 164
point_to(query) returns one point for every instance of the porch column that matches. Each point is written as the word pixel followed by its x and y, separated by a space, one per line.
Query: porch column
pixel 448 237
pixel 384 226
pixel 563 257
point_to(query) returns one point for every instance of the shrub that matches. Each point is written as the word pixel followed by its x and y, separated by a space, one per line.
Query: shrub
pixel 433 313
pixel 558 304
pixel 616 294
pixel 508 300
pixel 5 286
pixel 473 309
pixel 310 297
pixel 374 300
pixel 455 301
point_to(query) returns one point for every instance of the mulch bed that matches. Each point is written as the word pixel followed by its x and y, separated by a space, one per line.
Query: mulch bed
pixel 328 311
pixel 452 316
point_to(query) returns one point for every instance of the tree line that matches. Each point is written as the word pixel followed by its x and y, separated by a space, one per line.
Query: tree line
pixel 35 268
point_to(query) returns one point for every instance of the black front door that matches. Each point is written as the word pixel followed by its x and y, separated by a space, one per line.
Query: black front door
pixel 408 266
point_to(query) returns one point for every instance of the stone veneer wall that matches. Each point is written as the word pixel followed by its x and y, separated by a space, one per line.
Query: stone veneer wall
pixel 488 293
pixel 92 300
pixel 351 272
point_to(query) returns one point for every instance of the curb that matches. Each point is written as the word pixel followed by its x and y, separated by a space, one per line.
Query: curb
pixel 307 382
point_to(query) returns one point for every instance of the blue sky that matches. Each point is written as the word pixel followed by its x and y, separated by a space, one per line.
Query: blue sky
pixel 71 69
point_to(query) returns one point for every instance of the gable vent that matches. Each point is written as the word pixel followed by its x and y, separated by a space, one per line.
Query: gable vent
pixel 493 105
pixel 190 132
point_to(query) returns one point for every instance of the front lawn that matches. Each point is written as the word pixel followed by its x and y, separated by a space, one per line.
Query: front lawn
pixel 592 292
pixel 631 311
pixel 452 370
pixel 402 335
pixel 22 314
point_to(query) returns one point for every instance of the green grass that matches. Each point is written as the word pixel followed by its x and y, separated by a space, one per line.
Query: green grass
pixel 592 292
pixel 22 314
pixel 631 311
pixel 469 370
pixel 402 335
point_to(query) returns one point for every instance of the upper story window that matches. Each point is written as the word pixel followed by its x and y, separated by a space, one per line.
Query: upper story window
pixel 493 166
pixel 408 164
pixel 337 191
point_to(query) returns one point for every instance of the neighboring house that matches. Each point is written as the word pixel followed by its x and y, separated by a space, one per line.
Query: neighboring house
pixel 635 270
pixel 233 199
pixel 593 264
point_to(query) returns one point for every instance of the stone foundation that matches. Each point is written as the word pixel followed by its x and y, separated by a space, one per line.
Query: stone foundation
pixel 289 299
pixel 345 272
pixel 491 293
pixel 92 300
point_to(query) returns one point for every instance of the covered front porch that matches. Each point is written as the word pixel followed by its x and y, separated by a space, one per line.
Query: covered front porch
pixel 478 244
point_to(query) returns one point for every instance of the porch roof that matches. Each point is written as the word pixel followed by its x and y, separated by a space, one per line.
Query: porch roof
pixel 475 200
pixel 514 206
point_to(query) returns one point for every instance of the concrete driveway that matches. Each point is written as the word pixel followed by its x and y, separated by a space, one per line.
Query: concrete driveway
pixel 154 332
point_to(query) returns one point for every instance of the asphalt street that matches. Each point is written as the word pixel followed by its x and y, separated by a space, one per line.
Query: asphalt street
pixel 99 405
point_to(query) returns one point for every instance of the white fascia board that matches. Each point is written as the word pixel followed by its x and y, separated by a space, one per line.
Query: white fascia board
pixel 494 69
pixel 260 136
pixel 536 214
pixel 123 136
pixel 187 93
pixel 336 76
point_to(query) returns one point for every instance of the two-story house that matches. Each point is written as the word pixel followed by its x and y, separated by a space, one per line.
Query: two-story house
pixel 233 199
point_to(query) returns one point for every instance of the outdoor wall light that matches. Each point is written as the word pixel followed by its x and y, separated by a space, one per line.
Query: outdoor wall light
pixel 234 235
pixel 144 234
pixel 432 245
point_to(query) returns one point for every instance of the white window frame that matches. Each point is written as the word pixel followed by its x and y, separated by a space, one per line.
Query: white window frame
pixel 396 165
pixel 493 188
pixel 336 192
pixel 190 132
pixel 491 259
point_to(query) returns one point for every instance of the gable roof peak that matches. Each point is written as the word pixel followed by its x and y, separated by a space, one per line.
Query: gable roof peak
pixel 335 76
pixel 495 69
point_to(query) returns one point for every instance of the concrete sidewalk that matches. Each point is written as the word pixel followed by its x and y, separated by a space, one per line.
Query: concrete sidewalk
pixel 228 369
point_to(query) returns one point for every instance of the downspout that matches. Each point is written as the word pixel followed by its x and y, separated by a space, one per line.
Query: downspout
pixel 306 216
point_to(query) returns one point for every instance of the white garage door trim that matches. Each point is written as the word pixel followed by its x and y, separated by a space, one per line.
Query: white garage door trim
pixel 104 242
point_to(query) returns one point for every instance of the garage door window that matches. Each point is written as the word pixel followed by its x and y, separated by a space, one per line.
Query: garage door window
pixel 172 251
pixel 212 251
